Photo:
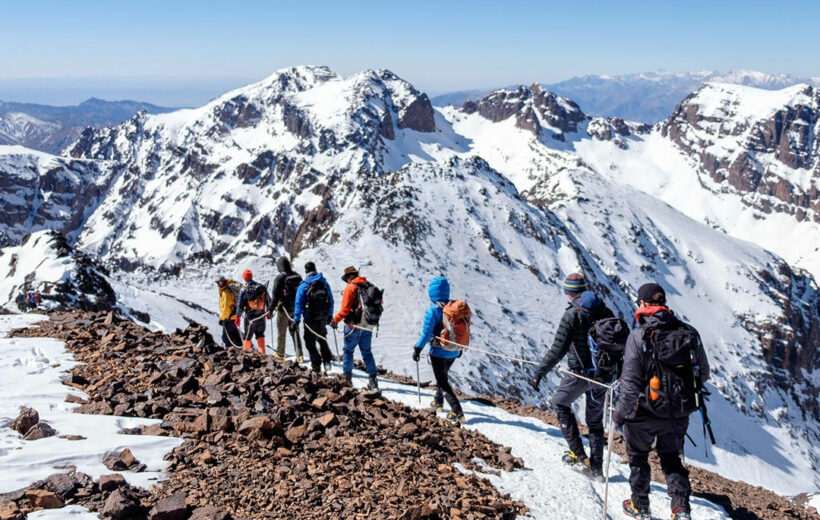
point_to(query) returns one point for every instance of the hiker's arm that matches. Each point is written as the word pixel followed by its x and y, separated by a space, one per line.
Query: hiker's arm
pixel 560 345
pixel 428 328
pixel 347 303
pixel 330 295
pixel 632 376
pixel 299 306
pixel 277 291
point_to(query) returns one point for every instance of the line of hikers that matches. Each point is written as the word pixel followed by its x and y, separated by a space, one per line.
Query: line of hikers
pixel 659 367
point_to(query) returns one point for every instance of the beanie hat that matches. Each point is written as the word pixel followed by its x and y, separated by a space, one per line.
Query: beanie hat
pixel 651 293
pixel 575 283
pixel 310 267
pixel 247 275
pixel 221 280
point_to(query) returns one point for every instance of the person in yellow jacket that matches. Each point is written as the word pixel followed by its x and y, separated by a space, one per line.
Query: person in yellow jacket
pixel 227 313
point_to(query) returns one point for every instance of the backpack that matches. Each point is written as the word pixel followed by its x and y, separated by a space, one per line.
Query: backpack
pixel 317 300
pixel 671 355
pixel 370 308
pixel 456 324
pixel 235 288
pixel 257 297
pixel 607 342
pixel 292 282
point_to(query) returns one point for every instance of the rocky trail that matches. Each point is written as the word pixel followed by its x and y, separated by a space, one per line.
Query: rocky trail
pixel 263 439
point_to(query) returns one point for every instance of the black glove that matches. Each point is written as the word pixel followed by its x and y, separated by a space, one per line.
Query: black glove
pixel 416 354
pixel 294 327
pixel 330 320
pixel 535 382
pixel 617 419
pixel 460 352
pixel 221 322
pixel 334 325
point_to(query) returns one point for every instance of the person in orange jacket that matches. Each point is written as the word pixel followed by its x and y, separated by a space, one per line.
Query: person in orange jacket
pixel 253 302
pixel 354 334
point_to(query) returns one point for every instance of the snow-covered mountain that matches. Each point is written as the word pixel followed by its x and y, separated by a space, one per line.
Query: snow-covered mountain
pixel 504 195
pixel 647 97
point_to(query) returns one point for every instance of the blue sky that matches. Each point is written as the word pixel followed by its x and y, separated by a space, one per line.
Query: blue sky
pixel 168 47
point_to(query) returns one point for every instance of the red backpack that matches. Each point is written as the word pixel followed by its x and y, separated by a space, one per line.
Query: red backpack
pixel 456 320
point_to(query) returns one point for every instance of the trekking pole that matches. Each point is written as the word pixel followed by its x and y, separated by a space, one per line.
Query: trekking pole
pixel 336 343
pixel 418 381
pixel 610 396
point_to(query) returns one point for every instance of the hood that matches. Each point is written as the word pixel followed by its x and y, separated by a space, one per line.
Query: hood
pixel 359 280
pixel 658 316
pixel 590 300
pixel 439 290
pixel 283 264
pixel 313 277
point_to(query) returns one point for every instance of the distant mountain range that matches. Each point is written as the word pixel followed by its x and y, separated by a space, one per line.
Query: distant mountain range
pixel 50 128
pixel 644 97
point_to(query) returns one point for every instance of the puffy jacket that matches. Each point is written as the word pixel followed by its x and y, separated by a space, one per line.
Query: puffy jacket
pixel 572 332
pixel 301 296
pixel 278 292
pixel 227 302
pixel 439 292
pixel 349 301
pixel 242 301
pixel 634 378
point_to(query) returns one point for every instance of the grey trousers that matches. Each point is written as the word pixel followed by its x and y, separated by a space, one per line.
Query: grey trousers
pixel 570 389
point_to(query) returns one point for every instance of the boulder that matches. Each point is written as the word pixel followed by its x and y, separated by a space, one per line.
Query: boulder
pixel 120 505
pixel 170 508
pixel 209 513
pixel 44 498
pixel 27 418
pixel 111 481
pixel 40 431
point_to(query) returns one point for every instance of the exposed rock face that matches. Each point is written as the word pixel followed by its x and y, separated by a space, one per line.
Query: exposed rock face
pixel 770 154
pixel 419 115
pixel 616 130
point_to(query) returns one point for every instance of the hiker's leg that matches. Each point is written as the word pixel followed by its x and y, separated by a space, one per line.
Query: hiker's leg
pixel 282 323
pixel 365 342
pixel 669 447
pixel 567 392
pixel 246 335
pixel 320 326
pixel 351 339
pixel 639 435
pixel 594 415
pixel 229 331
pixel 441 369
pixel 310 345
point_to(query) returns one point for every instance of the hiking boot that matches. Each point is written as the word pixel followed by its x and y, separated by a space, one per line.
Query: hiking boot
pixel 641 513
pixel 455 418
pixel 438 407
pixel 348 377
pixel 596 473
pixel 327 368
pixel 680 514
pixel 571 459
pixel 301 359
pixel 277 357
pixel 373 383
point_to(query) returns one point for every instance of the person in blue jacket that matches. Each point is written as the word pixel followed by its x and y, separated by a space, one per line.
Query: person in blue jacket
pixel 441 359
pixel 314 302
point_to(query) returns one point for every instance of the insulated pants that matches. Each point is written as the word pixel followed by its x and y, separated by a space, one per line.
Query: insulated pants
pixel 569 390
pixel 282 331
pixel 321 355
pixel 441 370
pixel 230 334
pixel 358 338
pixel 670 433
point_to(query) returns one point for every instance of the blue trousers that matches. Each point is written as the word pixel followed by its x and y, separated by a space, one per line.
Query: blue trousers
pixel 362 339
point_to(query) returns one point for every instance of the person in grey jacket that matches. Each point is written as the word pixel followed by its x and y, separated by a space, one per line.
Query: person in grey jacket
pixel 649 413
pixel 571 340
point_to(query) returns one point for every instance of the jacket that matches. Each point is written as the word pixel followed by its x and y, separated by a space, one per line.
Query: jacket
pixel 349 301
pixel 242 301
pixel 279 292
pixel 439 293
pixel 634 378
pixel 301 296
pixel 572 332
pixel 227 302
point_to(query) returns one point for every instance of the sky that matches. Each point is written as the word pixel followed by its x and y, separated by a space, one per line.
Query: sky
pixel 183 52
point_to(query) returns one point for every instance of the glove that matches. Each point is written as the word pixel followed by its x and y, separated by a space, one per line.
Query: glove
pixel 237 320
pixel 535 382
pixel 617 419
pixel 416 354
pixel 334 324
pixel 460 353
pixel 330 321
pixel 267 315
pixel 221 322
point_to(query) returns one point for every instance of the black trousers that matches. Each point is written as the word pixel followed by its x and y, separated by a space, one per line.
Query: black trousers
pixel 322 354
pixel 230 334
pixel 441 369
pixel 569 390
pixel 257 328
pixel 640 433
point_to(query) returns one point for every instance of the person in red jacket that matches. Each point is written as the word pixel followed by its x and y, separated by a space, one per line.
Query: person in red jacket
pixel 354 334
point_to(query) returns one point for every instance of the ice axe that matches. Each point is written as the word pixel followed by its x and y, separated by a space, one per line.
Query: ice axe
pixel 418 381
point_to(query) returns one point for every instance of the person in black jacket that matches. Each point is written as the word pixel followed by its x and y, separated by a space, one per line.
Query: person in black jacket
pixel 283 299
pixel 571 340
pixel 644 418
pixel 253 304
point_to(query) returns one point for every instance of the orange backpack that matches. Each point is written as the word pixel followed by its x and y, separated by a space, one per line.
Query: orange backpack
pixel 456 319
pixel 258 300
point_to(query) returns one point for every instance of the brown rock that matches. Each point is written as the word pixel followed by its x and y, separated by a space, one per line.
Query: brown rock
pixel 40 431
pixel 44 499
pixel 327 420
pixel 209 513
pixel 170 508
pixel 120 505
pixel 295 433
pixel 111 481
pixel 27 418
pixel 128 458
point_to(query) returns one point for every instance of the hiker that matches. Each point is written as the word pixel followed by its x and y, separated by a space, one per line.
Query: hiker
pixel 442 355
pixel 665 366
pixel 30 300
pixel 283 301
pixel 359 300
pixel 314 302
pixel 228 291
pixel 21 302
pixel 571 340
pixel 253 303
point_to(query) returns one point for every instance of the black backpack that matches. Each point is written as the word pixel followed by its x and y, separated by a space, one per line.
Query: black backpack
pixel 317 300
pixel 370 306
pixel 607 342
pixel 671 355
pixel 291 285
